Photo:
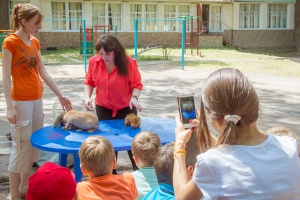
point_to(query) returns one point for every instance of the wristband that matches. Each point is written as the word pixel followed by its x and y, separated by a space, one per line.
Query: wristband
pixel 136 97
pixel 180 152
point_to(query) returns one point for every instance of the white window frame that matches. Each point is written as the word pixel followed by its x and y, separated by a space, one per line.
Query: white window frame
pixel 114 16
pixel 68 24
pixel 215 21
pixel 141 12
pixel 245 17
pixel 175 26
pixel 277 19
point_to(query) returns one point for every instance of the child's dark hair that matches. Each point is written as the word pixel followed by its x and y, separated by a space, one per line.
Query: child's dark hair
pixel 110 43
pixel 227 92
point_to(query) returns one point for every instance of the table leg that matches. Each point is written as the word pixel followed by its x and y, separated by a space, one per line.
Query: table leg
pixel 63 159
pixel 77 170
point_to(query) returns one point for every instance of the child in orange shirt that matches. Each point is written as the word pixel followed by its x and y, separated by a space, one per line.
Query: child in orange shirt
pixel 97 159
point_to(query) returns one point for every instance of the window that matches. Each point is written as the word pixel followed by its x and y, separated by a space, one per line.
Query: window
pixel 135 12
pixel 107 14
pixel 66 16
pixel 12 4
pixel 143 11
pixel 150 12
pixel 184 11
pixel 215 21
pixel 170 12
pixel 277 16
pixel 173 12
pixel 75 13
pixel 249 16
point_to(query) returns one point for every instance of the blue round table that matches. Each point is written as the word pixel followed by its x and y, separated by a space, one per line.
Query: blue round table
pixel 68 142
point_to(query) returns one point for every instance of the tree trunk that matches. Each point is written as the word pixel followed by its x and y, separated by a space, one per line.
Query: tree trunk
pixel 4 15
pixel 297 25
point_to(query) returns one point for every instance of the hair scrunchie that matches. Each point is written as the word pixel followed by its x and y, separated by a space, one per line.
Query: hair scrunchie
pixel 232 118
pixel 17 9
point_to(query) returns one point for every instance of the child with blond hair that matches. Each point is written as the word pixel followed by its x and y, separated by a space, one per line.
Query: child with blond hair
pixel 283 131
pixel 145 147
pixel 97 160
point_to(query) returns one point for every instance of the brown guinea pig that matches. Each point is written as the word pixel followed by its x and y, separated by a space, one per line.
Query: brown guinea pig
pixel 132 120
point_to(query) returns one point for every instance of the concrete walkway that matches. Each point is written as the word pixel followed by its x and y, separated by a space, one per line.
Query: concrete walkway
pixel 280 97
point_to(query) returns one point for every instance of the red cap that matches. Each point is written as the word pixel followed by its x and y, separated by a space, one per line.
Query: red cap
pixel 51 182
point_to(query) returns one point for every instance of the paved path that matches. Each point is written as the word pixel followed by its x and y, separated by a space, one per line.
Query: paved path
pixel 279 96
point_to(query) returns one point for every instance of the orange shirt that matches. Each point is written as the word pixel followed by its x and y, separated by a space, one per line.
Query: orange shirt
pixel 113 91
pixel 26 83
pixel 109 186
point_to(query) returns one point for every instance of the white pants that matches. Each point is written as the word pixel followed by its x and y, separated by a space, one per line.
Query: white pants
pixel 30 117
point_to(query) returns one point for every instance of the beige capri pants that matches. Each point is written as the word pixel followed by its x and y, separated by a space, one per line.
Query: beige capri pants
pixel 30 117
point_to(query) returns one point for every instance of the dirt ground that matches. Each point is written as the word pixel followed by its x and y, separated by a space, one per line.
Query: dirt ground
pixel 279 96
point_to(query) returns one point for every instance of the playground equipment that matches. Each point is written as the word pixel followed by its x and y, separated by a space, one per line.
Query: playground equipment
pixel 194 24
pixel 89 41
pixel 101 30
pixel 151 46
pixel 3 34
pixel 92 36
pixel 83 22
pixel 183 20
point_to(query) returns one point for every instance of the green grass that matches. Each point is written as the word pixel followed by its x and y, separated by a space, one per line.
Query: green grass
pixel 62 56
pixel 276 62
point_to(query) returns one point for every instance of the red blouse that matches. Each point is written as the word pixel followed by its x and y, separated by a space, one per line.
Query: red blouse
pixel 113 91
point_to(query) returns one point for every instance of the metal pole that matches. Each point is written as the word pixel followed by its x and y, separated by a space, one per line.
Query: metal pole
pixel 183 43
pixel 135 38
pixel 84 44
pixel 192 35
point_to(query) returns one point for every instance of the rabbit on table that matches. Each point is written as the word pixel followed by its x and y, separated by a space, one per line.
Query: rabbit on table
pixel 77 119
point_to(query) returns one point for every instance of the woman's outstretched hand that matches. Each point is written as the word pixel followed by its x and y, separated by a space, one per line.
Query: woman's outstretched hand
pixel 135 102
pixel 65 103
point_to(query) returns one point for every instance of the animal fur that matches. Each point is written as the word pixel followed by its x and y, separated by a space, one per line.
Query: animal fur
pixel 133 120
pixel 77 119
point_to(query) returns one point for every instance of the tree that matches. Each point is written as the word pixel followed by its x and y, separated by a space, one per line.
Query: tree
pixel 297 25
pixel 4 15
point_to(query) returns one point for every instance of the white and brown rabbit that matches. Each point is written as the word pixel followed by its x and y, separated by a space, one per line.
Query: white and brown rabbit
pixel 77 119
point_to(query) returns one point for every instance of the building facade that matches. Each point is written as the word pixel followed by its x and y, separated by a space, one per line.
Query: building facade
pixel 241 23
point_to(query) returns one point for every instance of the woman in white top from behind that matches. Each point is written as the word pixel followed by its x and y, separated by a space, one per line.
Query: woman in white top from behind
pixel 242 163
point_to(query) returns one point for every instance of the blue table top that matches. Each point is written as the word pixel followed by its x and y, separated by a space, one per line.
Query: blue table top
pixel 57 140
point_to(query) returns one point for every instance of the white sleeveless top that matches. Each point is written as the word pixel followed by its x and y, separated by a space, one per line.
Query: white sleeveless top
pixel 269 171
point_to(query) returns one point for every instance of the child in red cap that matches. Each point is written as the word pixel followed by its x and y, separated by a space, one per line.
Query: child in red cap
pixel 52 182
pixel 98 159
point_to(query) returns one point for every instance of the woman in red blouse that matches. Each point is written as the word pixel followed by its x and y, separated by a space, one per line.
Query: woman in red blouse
pixel 117 79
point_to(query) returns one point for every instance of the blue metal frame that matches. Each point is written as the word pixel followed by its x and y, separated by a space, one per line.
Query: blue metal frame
pixel 84 36
pixel 183 20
